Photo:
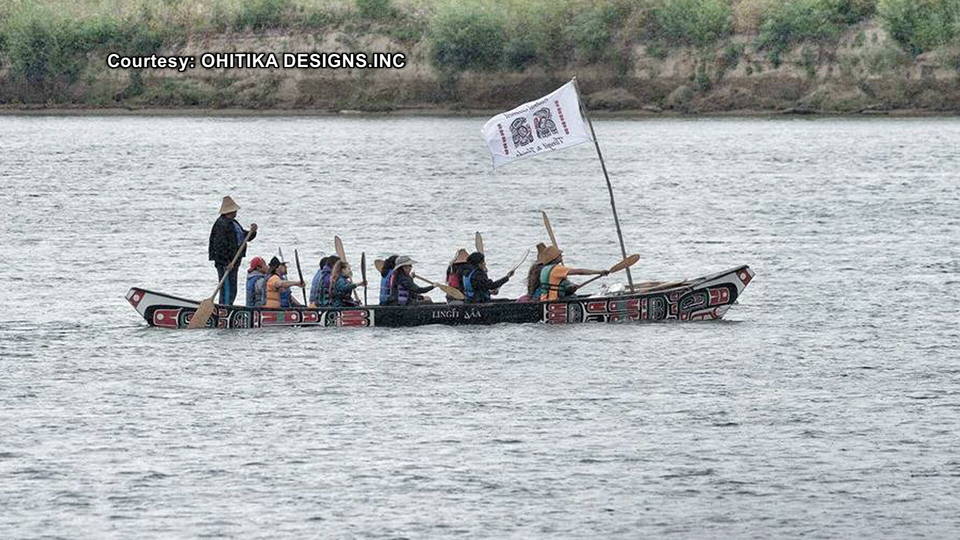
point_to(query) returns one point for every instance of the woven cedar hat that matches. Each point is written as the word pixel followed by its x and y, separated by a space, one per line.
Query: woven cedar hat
pixel 548 254
pixel 228 205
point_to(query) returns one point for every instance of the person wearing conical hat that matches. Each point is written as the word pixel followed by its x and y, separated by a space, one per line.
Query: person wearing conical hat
pixel 554 284
pixel 226 236
pixel 454 270
pixel 403 291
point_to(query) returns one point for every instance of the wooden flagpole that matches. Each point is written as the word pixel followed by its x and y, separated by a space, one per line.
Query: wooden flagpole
pixel 613 203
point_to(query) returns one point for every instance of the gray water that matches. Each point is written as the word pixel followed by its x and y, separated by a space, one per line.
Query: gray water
pixel 826 405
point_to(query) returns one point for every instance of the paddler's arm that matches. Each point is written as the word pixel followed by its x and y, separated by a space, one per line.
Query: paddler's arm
pixel 408 283
pixel 288 284
pixel 585 272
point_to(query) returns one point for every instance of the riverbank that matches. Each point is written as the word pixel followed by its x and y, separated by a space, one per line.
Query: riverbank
pixel 629 60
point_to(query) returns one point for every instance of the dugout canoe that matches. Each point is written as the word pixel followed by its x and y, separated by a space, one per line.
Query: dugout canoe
pixel 705 298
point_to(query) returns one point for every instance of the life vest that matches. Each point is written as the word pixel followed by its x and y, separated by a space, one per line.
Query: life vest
pixel 323 296
pixel 398 291
pixel 470 292
pixel 316 287
pixel 256 289
pixel 273 292
pixel 385 287
pixel 453 278
pixel 552 282
pixel 285 295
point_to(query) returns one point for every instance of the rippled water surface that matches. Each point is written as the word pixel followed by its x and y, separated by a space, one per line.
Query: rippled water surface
pixel 827 405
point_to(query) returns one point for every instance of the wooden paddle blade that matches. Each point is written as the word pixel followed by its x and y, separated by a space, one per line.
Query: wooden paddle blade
pixel 478 241
pixel 202 315
pixel 338 245
pixel 296 256
pixel 546 223
pixel 626 263
pixel 452 292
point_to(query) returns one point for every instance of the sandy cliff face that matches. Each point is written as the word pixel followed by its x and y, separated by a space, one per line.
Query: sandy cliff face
pixel 864 71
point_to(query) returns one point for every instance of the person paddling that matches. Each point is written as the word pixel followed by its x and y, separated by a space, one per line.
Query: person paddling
pixel 554 284
pixel 477 287
pixel 276 285
pixel 226 236
pixel 257 282
pixel 386 270
pixel 455 271
pixel 318 294
pixel 403 291
pixel 533 276
pixel 342 285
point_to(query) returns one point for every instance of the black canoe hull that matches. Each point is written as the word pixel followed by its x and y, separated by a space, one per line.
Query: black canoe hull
pixel 706 298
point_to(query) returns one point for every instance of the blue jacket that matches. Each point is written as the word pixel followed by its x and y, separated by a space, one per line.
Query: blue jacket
pixel 256 289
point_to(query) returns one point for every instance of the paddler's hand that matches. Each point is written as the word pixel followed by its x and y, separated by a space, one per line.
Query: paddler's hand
pixel 253 227
pixel 510 274
pixel 302 284
pixel 604 272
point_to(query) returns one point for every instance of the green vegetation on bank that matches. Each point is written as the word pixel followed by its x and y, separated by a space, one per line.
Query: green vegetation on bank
pixel 45 44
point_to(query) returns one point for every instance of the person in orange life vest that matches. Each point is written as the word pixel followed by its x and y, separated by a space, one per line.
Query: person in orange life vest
pixel 554 284
pixel 403 291
pixel 454 279
pixel 277 285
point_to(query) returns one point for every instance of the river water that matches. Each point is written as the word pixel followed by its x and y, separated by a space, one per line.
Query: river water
pixel 826 405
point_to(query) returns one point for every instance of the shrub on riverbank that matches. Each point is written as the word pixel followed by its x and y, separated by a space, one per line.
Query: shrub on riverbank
pixel 921 25
pixel 694 22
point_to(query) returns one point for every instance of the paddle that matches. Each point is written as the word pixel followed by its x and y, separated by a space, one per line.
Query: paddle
pixel 363 274
pixel 521 260
pixel 546 223
pixel 478 241
pixel 622 265
pixel 452 292
pixel 296 257
pixel 205 309
pixel 338 245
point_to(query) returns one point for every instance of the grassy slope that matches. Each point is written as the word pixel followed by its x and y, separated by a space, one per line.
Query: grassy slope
pixel 684 55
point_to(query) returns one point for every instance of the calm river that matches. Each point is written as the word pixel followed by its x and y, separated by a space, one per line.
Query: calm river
pixel 827 405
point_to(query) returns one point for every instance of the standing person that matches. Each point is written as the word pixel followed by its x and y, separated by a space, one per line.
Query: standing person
pixel 386 270
pixel 455 271
pixel 477 287
pixel 276 285
pixel 342 285
pixel 554 284
pixel 403 291
pixel 257 282
pixel 226 236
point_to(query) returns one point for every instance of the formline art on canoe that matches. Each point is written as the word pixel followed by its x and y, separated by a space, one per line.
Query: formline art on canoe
pixel 701 299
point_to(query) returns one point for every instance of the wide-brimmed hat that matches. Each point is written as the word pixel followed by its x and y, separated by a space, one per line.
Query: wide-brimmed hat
pixel 255 263
pixel 403 260
pixel 228 205
pixel 275 262
pixel 549 253
pixel 461 256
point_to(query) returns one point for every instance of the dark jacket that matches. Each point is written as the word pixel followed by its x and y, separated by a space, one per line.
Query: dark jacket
pixel 482 285
pixel 223 241
pixel 403 280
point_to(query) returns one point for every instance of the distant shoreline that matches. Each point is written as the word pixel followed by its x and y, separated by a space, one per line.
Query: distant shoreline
pixel 59 110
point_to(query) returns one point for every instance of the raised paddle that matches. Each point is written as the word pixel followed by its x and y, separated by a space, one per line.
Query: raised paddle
pixel 363 274
pixel 546 223
pixel 622 265
pixel 452 292
pixel 338 245
pixel 521 260
pixel 205 309
pixel 478 241
pixel 296 257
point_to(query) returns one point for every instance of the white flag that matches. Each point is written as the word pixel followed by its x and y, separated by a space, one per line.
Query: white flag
pixel 544 125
